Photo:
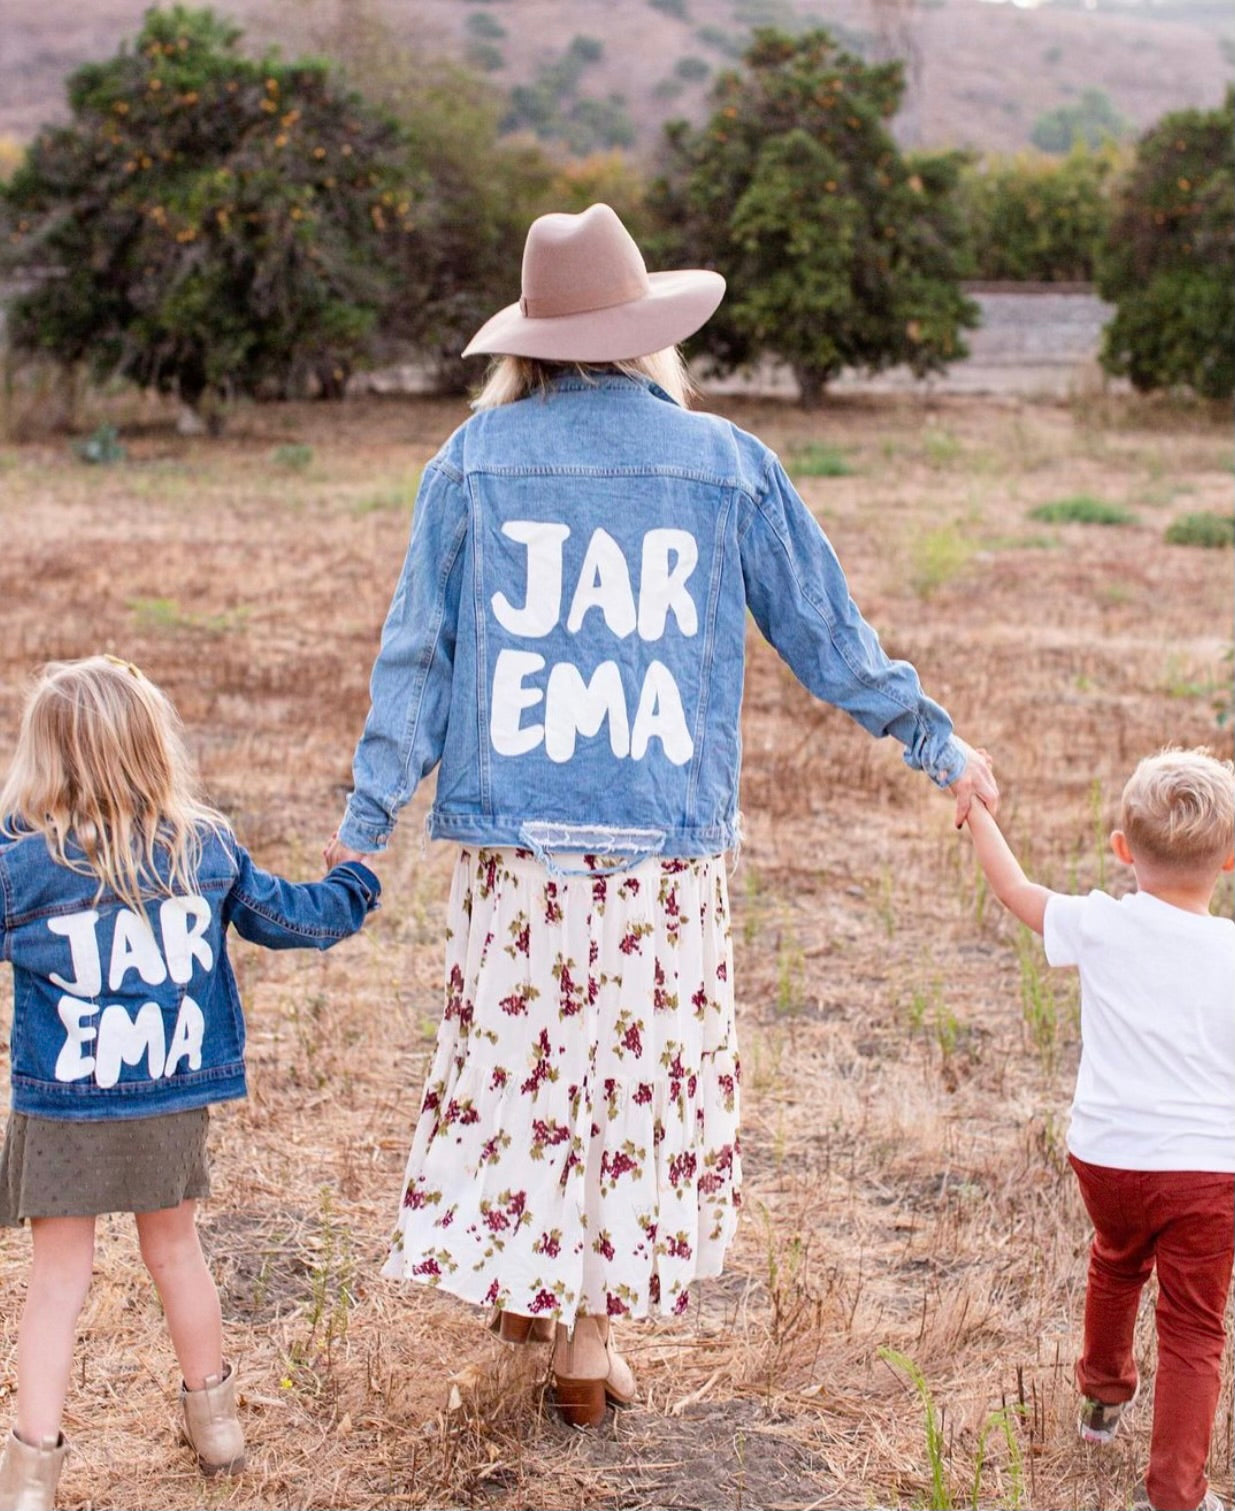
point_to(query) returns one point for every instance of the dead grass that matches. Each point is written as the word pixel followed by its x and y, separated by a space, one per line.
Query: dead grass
pixel 906 1185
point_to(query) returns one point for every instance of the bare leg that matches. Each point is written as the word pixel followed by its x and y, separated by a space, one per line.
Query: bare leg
pixel 173 1255
pixel 59 1279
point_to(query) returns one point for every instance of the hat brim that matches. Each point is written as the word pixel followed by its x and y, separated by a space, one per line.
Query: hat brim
pixel 676 305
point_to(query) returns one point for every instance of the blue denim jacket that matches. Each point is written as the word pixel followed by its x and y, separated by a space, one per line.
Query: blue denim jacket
pixel 123 1015
pixel 567 636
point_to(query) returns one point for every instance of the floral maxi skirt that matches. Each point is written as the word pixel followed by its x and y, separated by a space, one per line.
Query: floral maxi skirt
pixel 577 1146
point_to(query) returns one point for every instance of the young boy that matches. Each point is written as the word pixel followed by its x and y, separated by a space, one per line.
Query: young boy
pixel 1152 1135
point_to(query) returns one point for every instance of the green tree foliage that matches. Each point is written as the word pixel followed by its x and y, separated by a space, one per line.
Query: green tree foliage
pixel 209 222
pixel 1168 264
pixel 1039 218
pixel 463 261
pixel 839 251
pixel 553 109
pixel 1090 120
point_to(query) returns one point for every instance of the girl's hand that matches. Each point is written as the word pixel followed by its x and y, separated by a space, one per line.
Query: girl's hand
pixel 976 781
pixel 334 854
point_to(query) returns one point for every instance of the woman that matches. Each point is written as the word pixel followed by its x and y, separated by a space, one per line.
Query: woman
pixel 567 641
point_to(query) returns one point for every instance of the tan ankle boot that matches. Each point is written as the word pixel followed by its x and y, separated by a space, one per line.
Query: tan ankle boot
pixel 28 1475
pixel 211 1425
pixel 620 1381
pixel 587 1371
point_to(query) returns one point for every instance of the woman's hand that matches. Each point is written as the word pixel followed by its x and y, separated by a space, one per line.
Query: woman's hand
pixel 334 854
pixel 976 781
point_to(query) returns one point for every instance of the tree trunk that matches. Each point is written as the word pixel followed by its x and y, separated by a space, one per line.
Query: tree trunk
pixel 811 385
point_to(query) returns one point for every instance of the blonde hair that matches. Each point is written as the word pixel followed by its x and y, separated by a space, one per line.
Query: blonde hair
pixel 101 763
pixel 1178 807
pixel 513 378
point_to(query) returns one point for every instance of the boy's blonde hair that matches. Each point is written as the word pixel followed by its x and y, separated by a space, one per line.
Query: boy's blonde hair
pixel 1178 807
pixel 101 764
pixel 513 378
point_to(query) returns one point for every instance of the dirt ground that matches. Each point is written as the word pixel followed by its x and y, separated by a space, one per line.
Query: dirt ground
pixel 907 1056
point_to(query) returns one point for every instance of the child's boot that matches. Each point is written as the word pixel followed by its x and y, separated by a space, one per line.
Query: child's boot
pixel 28 1475
pixel 211 1425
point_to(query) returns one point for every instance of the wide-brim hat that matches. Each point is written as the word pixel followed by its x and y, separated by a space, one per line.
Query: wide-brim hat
pixel 588 296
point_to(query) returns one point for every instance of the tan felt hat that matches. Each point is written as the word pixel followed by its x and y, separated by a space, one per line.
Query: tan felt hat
pixel 588 297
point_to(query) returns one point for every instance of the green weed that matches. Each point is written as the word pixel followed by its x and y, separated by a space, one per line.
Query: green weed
pixel 294 457
pixel 1082 509
pixel 940 1498
pixel 937 556
pixel 940 447
pixel 167 614
pixel 1002 1421
pixel 1211 530
pixel 816 460
pixel 101 449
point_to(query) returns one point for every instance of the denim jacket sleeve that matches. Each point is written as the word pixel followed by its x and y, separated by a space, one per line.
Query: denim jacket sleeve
pixel 288 915
pixel 410 687
pixel 797 592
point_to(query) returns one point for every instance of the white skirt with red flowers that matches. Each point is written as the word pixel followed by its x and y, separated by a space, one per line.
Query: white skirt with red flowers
pixel 577 1146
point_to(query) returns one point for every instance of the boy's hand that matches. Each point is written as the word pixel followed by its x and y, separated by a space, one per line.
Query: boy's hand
pixel 334 854
pixel 976 781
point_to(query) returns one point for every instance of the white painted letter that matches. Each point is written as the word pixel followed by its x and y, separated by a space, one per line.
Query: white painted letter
pixel 125 1039
pixel 659 716
pixel 133 947
pixel 71 1063
pixel 573 706
pixel 186 1037
pixel 87 967
pixel 604 583
pixel 182 941
pixel 543 602
pixel 510 698
pixel 662 587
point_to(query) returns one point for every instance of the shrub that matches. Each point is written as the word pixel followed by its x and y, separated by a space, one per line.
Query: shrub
pixel 815 460
pixel 214 223
pixel 869 277
pixel 1168 262
pixel 1208 529
pixel 1083 509
pixel 1037 217
pixel 1089 121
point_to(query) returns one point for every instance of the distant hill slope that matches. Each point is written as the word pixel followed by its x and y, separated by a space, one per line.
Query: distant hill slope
pixel 980 74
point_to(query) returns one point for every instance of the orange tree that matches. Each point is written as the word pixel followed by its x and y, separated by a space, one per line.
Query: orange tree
pixel 206 222
pixel 1168 264
pixel 1038 217
pixel 839 250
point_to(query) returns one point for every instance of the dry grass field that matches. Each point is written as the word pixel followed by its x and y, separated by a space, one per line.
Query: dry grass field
pixel 907 1056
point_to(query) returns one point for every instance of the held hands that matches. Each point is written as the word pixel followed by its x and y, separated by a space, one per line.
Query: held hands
pixel 977 781
pixel 334 854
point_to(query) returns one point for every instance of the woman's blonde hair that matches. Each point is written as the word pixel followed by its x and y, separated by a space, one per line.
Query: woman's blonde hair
pixel 1178 808
pixel 101 764
pixel 513 378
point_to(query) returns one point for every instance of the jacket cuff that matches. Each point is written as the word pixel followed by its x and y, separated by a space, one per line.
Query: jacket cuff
pixel 371 838
pixel 949 765
pixel 368 880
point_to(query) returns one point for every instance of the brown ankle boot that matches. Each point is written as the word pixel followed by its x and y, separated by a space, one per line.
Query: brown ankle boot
pixel 513 1327
pixel 29 1475
pixel 211 1426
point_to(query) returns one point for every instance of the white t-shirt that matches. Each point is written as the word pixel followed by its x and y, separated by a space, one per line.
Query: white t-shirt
pixel 1156 1084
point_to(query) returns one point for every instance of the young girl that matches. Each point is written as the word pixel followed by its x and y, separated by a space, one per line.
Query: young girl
pixel 117 887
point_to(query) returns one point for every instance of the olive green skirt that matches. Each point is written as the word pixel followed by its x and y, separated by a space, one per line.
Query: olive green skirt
pixel 51 1168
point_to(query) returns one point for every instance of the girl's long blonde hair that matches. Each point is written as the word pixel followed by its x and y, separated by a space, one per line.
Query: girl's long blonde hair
pixel 101 764
pixel 513 378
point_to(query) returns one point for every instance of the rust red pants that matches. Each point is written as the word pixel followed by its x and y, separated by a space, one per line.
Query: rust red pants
pixel 1185 1221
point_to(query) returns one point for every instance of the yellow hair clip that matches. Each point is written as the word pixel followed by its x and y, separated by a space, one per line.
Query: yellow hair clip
pixel 124 665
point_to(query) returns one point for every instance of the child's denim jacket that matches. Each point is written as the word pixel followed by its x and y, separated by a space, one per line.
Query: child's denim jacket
pixel 118 1014
pixel 568 633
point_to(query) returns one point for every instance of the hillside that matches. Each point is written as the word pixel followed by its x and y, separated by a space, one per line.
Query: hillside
pixel 980 74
